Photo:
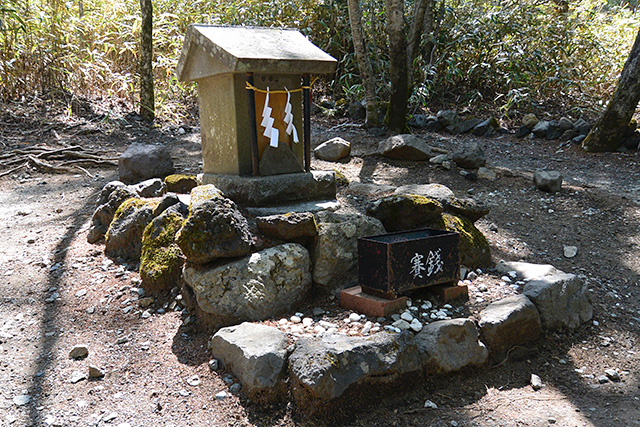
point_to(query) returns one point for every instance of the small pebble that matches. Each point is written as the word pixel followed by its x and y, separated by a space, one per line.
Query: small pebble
pixel 193 381
pixel 235 388
pixel 77 376
pixel 95 372
pixel 21 400
pixel 295 319
pixel 612 374
pixel 430 404
pixel 536 382
pixel 406 316
pixel 214 364
pixel 221 395
pixel 354 317
pixel 79 351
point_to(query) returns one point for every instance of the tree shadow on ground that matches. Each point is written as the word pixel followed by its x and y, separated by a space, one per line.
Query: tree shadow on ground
pixel 49 313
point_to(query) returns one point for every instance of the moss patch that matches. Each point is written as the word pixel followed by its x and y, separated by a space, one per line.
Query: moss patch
pixel 179 183
pixel 202 193
pixel 474 248
pixel 161 260
pixel 341 179
pixel 124 236
pixel 405 211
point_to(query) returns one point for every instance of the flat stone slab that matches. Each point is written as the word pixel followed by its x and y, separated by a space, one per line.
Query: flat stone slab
pixel 275 189
pixel 325 368
pixel 300 207
pixel 509 322
pixel 527 271
pixel 562 300
pixel 256 354
pixel 450 345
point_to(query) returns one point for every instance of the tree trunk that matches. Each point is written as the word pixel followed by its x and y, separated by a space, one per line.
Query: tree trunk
pixel 366 70
pixel 608 132
pixel 398 76
pixel 422 23
pixel 147 104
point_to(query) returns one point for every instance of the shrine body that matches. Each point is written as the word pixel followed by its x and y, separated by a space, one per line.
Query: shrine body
pixel 252 84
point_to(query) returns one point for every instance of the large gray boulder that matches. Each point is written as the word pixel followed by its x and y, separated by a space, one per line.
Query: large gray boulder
pixel 509 322
pixel 275 189
pixel 257 356
pixel 336 248
pixel 405 211
pixel 470 208
pixel 333 149
pixel 448 117
pixel 111 197
pixel 140 162
pixel 549 181
pixel 469 155
pixel 256 287
pixel 450 345
pixel 214 229
pixel 562 300
pixel 542 129
pixel 322 369
pixel 405 147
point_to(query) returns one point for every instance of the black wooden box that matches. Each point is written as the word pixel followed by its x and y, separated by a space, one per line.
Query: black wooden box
pixel 394 263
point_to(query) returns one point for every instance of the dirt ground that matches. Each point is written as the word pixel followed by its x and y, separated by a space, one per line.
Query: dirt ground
pixel 58 291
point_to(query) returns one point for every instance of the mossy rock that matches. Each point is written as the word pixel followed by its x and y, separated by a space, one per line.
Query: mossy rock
pixel 405 211
pixel 214 229
pixel 161 259
pixel 179 183
pixel 341 179
pixel 202 193
pixel 474 248
pixel 124 236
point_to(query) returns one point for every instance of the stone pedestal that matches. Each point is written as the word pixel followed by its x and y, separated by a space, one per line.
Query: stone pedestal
pixel 275 189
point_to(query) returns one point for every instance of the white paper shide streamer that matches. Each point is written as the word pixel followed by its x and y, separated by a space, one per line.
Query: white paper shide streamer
pixel 288 118
pixel 267 123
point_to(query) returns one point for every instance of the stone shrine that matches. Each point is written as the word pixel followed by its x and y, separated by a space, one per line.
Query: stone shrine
pixel 252 84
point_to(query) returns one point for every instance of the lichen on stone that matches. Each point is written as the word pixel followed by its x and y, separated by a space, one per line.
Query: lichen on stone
pixel 474 248
pixel 180 183
pixel 161 259
pixel 341 179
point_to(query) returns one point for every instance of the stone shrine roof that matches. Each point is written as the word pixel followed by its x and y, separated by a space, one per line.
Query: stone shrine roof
pixel 209 50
